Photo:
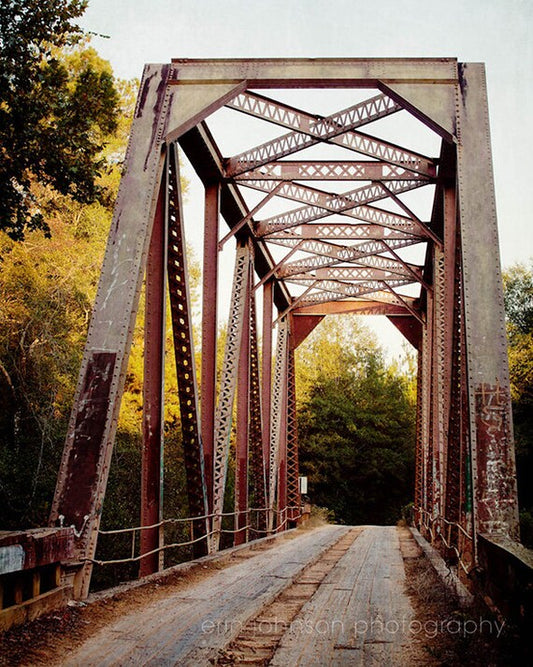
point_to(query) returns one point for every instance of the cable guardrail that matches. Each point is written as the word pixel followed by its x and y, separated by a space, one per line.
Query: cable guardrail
pixel 283 514
pixel 430 522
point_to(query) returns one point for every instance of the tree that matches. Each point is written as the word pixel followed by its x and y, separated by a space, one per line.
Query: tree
pixel 518 286
pixel 53 121
pixel 356 425
pixel 518 296
pixel 47 287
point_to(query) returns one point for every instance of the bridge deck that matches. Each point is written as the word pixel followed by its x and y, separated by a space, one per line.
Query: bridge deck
pixel 330 596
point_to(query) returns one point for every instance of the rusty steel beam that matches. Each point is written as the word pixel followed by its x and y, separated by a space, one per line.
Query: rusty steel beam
pixel 315 72
pixel 370 214
pixel 277 422
pixel 419 490
pixel 321 170
pixel 258 459
pixel 266 376
pixel 330 254
pixel 292 474
pixel 358 273
pixel 339 288
pixel 302 326
pixel 493 461
pixel 181 312
pixel 228 383
pixel 320 204
pixel 209 331
pixel 281 408
pixel 242 425
pixel 153 387
pixel 88 449
pixel 363 307
pixel 342 232
pixel 307 214
pixel 338 129
pixel 287 116
pixel 384 296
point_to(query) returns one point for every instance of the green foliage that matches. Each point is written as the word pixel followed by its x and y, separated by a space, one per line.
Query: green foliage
pixel 46 292
pixel 518 296
pixel 356 425
pixel 56 109
pixel 518 285
pixel 47 288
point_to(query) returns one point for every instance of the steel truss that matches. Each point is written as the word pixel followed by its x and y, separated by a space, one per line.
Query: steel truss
pixel 344 252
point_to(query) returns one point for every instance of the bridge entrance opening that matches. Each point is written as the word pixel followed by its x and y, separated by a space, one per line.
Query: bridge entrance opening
pixel 333 186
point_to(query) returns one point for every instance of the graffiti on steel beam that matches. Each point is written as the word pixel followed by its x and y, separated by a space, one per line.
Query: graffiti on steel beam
pixel 495 469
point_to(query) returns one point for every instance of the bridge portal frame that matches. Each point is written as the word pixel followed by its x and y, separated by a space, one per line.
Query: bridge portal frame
pixel 465 475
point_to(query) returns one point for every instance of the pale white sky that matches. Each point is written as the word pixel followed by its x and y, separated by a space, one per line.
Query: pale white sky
pixel 496 32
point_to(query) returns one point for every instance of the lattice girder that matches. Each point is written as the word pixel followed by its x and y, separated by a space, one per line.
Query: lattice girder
pixel 319 127
pixel 321 204
pixel 330 254
pixel 362 170
pixel 223 418
pixel 278 422
pixel 344 232
pixel 181 312
pixel 335 129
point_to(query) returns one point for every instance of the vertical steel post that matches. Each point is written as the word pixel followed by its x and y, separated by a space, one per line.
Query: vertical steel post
pixel 224 413
pixel 209 333
pixel 439 380
pixel 88 449
pixel 293 490
pixel 243 412
pixel 278 427
pixel 449 320
pixel 282 457
pixel 419 451
pixel 256 457
pixel 492 445
pixel 181 312
pixel 153 388
pixel 427 406
pixel 266 369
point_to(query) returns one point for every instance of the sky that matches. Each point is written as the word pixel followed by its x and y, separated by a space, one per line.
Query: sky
pixel 496 32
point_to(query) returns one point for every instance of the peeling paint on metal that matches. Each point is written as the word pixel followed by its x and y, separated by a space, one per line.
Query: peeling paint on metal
pixel 11 559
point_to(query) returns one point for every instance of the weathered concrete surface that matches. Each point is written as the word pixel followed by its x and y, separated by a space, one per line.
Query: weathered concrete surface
pixel 351 618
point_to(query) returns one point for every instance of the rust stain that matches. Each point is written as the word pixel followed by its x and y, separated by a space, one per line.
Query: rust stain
pixel 143 94
pixel 461 71
pixel 157 108
pixel 88 436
